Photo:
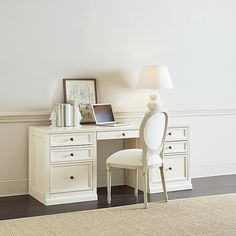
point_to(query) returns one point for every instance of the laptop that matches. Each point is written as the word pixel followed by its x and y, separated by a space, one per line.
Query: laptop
pixel 104 115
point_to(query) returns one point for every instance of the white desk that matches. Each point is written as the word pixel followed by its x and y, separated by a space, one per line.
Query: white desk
pixel 63 161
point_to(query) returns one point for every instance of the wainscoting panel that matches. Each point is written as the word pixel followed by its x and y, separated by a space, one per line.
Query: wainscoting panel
pixel 14 154
pixel 212 142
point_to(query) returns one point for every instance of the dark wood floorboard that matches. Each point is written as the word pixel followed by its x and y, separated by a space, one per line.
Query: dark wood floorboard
pixel 26 206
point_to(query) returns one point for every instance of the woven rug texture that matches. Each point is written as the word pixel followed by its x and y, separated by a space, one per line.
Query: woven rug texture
pixel 214 215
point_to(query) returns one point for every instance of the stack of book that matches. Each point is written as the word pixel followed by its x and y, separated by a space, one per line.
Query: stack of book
pixel 67 115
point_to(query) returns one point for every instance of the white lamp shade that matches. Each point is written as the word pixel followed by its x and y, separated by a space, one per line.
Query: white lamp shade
pixel 154 77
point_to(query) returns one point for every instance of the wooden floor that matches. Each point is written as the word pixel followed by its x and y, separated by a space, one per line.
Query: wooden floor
pixel 25 205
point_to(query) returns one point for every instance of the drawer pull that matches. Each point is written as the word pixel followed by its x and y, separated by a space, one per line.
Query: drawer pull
pixel 123 134
pixel 72 154
pixel 170 147
pixel 71 139
pixel 169 133
pixel 72 177
pixel 169 168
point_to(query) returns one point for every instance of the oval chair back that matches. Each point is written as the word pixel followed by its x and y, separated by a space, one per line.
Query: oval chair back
pixel 152 134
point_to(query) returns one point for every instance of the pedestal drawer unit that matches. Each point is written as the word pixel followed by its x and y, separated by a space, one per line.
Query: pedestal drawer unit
pixel 62 166
pixel 176 163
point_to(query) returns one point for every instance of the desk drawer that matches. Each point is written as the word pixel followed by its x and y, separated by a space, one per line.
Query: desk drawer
pixel 175 169
pixel 177 134
pixel 58 140
pixel 178 166
pixel 69 178
pixel 176 147
pixel 72 154
pixel 118 134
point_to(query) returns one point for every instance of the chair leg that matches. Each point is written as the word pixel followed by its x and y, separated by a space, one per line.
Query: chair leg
pixel 145 189
pixel 108 184
pixel 163 182
pixel 136 183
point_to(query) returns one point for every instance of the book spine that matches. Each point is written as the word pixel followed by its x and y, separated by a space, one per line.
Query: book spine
pixel 75 113
pixel 68 115
pixel 58 112
pixel 62 108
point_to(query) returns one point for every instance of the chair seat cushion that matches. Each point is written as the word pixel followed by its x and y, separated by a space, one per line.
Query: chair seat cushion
pixel 132 158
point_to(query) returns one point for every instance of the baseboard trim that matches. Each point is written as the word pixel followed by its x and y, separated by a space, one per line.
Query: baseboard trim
pixel 181 185
pixel 13 187
pixel 72 199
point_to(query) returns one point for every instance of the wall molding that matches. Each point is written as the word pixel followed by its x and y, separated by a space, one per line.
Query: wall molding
pixel 207 112
pixel 43 116
pixel 181 113
pixel 24 116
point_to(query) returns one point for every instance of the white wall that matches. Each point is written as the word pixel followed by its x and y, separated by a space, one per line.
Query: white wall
pixel 42 42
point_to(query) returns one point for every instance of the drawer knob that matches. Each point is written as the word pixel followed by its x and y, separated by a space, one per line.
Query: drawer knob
pixel 169 133
pixel 71 139
pixel 72 177
pixel 72 154
pixel 170 168
pixel 170 147
pixel 123 134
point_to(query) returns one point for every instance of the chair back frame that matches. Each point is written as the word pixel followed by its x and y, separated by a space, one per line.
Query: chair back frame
pixel 147 150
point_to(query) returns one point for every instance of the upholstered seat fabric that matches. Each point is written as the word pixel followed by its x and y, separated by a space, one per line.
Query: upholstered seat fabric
pixel 132 158
pixel 127 157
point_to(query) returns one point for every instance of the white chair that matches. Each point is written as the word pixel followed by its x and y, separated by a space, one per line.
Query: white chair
pixel 152 138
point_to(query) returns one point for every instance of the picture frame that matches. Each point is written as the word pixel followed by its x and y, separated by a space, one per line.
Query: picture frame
pixel 83 91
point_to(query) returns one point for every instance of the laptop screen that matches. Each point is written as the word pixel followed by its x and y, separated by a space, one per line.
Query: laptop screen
pixel 103 113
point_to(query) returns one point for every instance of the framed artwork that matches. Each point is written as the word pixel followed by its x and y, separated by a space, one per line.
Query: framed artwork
pixel 83 91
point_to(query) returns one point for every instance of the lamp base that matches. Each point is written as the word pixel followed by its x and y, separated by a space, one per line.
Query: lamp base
pixel 154 102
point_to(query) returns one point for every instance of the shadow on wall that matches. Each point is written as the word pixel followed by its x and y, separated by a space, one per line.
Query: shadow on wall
pixel 115 84
pixel 119 79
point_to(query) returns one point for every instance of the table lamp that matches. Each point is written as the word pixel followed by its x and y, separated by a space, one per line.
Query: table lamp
pixel 154 77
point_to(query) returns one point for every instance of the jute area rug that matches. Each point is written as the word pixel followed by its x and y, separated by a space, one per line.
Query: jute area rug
pixel 215 215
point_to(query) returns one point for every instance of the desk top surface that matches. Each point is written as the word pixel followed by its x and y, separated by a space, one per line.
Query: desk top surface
pixel 82 128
